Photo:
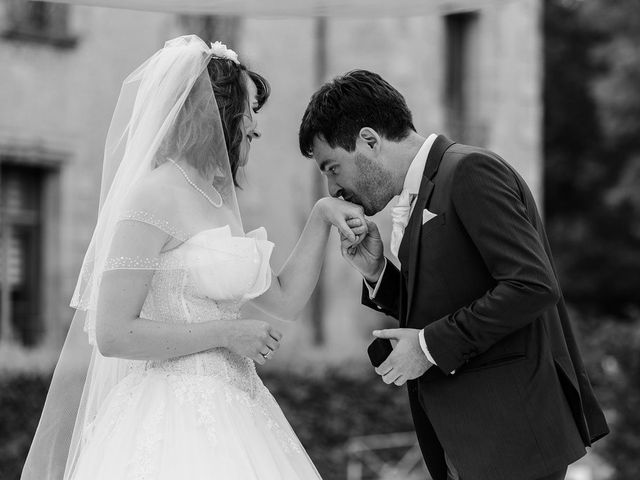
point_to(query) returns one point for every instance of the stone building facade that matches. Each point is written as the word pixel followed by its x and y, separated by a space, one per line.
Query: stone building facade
pixel 472 72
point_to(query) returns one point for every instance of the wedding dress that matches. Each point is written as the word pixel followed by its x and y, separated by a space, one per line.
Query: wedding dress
pixel 201 416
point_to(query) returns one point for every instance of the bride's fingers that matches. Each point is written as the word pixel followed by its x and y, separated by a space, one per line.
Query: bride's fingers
pixel 272 344
pixel 355 222
pixel 348 247
pixel 275 334
pixel 345 243
pixel 360 231
pixel 346 231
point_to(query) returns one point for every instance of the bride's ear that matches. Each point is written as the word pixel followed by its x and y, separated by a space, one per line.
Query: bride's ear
pixel 369 137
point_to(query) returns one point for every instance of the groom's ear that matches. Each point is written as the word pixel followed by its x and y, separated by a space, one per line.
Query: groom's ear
pixel 369 137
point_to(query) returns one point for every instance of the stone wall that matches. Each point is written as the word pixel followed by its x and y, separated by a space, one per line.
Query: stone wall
pixel 61 100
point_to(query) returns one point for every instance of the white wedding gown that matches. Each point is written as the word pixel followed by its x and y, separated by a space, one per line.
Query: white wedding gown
pixel 201 416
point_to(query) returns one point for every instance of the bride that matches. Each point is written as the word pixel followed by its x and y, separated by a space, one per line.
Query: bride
pixel 171 390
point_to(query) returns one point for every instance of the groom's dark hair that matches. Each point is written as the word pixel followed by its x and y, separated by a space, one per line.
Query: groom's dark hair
pixel 357 99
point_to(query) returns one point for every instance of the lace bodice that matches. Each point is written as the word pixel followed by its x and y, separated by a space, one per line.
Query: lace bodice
pixel 209 277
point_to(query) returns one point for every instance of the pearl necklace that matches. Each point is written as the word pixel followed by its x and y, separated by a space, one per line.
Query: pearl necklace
pixel 184 174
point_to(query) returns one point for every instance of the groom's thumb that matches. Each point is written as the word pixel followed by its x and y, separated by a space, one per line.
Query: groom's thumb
pixel 388 333
pixel 372 229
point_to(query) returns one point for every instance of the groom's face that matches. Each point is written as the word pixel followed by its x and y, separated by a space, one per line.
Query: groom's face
pixel 357 177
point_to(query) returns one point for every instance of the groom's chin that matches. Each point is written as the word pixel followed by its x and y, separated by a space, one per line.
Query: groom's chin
pixel 370 210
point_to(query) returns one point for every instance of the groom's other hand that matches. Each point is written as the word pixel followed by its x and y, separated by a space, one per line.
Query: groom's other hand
pixel 367 256
pixel 407 360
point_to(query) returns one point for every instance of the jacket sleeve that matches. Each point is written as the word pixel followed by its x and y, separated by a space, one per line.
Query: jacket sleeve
pixel 487 200
pixel 387 299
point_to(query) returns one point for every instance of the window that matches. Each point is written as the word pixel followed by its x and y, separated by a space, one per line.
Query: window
pixel 41 22
pixel 460 76
pixel 20 253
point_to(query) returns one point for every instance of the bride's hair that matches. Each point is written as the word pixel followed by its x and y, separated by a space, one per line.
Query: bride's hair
pixel 193 138
pixel 230 90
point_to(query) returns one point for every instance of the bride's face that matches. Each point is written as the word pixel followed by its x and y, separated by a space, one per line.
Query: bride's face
pixel 249 123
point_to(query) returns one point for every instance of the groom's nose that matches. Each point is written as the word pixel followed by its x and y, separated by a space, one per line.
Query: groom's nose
pixel 334 190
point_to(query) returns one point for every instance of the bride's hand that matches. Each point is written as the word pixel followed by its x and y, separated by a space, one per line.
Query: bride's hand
pixel 254 339
pixel 347 217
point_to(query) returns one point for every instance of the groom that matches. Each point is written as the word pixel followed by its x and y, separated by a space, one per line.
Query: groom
pixel 497 388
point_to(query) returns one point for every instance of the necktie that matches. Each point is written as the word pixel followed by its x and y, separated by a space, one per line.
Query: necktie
pixel 400 218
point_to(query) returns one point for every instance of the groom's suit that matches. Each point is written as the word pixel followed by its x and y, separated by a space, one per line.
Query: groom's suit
pixel 480 281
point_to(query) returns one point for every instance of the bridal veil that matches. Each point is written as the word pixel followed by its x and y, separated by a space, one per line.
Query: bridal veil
pixel 166 110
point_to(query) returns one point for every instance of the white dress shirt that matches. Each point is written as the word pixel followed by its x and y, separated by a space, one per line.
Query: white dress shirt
pixel 412 183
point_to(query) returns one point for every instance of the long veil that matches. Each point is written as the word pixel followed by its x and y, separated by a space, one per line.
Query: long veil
pixel 166 108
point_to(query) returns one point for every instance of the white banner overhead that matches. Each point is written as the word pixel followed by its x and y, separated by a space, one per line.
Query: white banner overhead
pixel 295 8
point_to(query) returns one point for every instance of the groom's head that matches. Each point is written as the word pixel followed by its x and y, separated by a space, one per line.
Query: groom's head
pixel 347 128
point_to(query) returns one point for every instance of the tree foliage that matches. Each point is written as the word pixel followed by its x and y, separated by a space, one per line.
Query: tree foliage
pixel 592 150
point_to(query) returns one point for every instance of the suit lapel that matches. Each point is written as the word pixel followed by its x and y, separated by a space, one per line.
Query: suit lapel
pixel 414 227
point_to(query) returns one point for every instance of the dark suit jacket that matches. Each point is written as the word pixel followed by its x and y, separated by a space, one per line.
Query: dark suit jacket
pixel 479 279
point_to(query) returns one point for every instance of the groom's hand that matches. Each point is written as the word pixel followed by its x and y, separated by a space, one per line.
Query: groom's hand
pixel 347 217
pixel 407 360
pixel 367 256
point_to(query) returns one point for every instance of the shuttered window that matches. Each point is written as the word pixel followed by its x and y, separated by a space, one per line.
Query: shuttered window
pixel 20 253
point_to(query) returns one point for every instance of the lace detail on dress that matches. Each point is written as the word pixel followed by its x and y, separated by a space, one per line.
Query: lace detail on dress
pixel 124 397
pixel 150 435
pixel 137 263
pixel 263 404
pixel 151 219
pixel 218 363
pixel 201 393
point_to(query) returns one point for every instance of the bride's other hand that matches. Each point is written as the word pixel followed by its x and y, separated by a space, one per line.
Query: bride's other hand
pixel 347 217
pixel 254 339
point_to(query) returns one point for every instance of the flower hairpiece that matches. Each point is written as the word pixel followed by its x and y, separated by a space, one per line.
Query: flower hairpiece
pixel 220 50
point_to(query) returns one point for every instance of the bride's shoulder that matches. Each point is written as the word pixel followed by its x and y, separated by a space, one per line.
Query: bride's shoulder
pixel 152 201
pixel 155 192
pixel 156 189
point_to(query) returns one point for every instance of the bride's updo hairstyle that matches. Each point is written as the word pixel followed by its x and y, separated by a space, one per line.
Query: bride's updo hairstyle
pixel 194 139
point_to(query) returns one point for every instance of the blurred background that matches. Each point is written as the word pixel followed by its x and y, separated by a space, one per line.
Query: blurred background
pixel 551 85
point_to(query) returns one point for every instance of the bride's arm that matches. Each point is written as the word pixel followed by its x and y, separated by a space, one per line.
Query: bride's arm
pixel 121 332
pixel 292 286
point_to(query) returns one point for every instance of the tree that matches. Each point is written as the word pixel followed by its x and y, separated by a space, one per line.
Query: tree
pixel 592 150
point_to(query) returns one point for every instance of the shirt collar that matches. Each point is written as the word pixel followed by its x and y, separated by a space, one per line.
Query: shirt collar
pixel 414 175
